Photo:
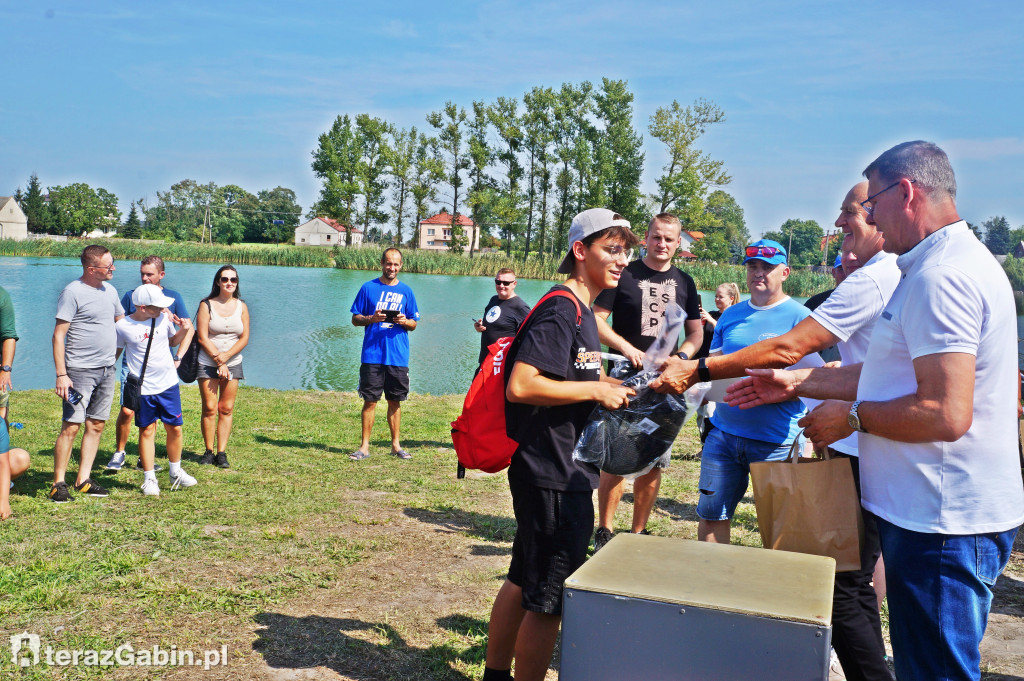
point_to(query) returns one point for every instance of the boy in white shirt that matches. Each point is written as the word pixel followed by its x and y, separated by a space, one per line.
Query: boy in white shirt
pixel 160 398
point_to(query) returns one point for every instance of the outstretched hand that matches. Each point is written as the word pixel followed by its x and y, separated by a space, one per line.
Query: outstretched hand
pixel 676 376
pixel 762 386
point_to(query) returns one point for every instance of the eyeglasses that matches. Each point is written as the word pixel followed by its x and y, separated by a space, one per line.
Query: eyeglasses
pixel 109 268
pixel 762 251
pixel 232 280
pixel 502 282
pixel 868 203
pixel 618 250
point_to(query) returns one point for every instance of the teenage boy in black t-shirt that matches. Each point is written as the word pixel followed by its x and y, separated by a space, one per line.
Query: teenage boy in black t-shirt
pixel 555 380
pixel 504 313
pixel 637 308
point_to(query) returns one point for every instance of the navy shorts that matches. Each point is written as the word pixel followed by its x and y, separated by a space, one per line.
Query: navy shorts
pixel 375 379
pixel 552 536
pixel 165 406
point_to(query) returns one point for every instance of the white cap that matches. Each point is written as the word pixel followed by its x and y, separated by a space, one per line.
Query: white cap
pixel 151 294
pixel 590 221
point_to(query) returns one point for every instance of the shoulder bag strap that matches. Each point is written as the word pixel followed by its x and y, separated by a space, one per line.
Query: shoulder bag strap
pixel 145 359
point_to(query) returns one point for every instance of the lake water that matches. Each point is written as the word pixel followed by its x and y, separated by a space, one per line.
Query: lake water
pixel 302 335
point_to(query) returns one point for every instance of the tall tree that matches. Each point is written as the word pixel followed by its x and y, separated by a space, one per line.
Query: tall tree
pixel 997 235
pixel 279 214
pixel 570 115
pixel 480 193
pixel 689 172
pixel 40 218
pixel 539 137
pixel 132 228
pixel 78 209
pixel 802 239
pixel 401 165
pixel 449 125
pixel 619 158
pixel 428 172
pixel 335 162
pixel 504 116
pixel 181 212
pixel 724 216
pixel 371 170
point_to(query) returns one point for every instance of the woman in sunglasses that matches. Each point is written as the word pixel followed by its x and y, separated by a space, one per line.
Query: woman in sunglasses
pixel 223 327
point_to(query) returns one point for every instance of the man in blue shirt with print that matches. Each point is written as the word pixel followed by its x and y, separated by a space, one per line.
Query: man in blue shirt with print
pixel 387 308
pixel 744 436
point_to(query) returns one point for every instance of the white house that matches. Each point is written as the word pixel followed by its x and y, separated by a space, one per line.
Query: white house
pixel 13 223
pixel 323 231
pixel 436 231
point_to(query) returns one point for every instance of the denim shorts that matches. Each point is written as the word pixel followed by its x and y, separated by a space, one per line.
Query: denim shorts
pixel 725 471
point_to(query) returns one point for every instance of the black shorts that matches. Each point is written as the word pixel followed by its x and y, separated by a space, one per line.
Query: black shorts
pixel 552 537
pixel 375 379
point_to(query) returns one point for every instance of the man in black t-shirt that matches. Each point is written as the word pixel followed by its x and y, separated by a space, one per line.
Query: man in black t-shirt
pixel 504 312
pixel 637 308
pixel 554 382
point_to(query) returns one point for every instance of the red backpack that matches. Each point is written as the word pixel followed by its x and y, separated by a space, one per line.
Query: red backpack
pixel 479 435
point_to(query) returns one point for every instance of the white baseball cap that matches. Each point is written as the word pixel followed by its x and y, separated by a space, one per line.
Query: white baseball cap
pixel 151 294
pixel 590 221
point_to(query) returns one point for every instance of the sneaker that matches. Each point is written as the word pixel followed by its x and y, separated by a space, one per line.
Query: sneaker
pixel 59 493
pixel 182 479
pixel 91 489
pixel 835 670
pixel 602 537
pixel 156 467
pixel 116 462
pixel 221 460
pixel 207 458
pixel 150 488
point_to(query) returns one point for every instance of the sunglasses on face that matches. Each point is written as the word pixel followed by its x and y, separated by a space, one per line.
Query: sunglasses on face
pixel 502 282
pixel 763 251
pixel 229 280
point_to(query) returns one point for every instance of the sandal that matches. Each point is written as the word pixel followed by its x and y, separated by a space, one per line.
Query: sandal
pixel 402 454
pixel 358 455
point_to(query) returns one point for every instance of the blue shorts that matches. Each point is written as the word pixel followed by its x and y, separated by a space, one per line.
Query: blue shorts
pixel 165 406
pixel 725 471
pixel 5 438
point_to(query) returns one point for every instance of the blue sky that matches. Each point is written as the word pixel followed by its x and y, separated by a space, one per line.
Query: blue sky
pixel 134 96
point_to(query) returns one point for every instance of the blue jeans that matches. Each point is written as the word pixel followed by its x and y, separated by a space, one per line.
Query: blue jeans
pixel 725 471
pixel 939 592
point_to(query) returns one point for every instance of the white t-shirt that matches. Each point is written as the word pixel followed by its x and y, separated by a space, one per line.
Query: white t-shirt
pixel 850 314
pixel 133 337
pixel 954 297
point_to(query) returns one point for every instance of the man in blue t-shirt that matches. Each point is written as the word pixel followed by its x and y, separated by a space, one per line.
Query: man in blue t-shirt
pixel 387 308
pixel 744 436
pixel 151 271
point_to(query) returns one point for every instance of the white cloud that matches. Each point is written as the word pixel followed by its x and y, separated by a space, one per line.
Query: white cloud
pixel 399 29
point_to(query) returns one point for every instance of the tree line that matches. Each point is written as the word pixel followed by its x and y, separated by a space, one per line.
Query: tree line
pixel 188 211
pixel 522 167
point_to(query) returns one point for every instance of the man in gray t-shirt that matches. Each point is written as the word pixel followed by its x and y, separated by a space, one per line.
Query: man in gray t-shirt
pixel 84 347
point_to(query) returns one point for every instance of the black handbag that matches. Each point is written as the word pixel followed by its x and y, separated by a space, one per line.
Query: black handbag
pixel 131 392
pixel 188 367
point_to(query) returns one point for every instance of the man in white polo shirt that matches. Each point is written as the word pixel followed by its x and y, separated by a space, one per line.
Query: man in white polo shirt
pixel 935 404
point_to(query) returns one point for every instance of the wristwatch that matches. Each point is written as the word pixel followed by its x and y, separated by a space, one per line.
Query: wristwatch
pixel 853 419
pixel 702 370
pixel 6 367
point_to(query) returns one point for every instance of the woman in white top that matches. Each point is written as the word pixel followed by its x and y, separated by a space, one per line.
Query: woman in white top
pixel 223 327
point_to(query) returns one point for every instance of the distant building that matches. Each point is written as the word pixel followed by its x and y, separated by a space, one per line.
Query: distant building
pixel 687 239
pixel 13 223
pixel 436 231
pixel 100 234
pixel 321 231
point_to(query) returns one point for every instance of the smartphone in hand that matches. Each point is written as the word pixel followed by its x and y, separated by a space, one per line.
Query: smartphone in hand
pixel 74 397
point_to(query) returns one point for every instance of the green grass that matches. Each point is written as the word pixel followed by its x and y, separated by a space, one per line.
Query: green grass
pixel 295 558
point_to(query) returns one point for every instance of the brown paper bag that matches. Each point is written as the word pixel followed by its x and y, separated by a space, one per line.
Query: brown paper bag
pixel 809 506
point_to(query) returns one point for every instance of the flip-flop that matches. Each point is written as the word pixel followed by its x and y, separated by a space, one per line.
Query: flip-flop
pixel 358 455
pixel 402 454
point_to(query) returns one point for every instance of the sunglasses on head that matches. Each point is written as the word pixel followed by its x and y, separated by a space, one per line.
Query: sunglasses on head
pixel 765 251
pixel 232 280
pixel 502 282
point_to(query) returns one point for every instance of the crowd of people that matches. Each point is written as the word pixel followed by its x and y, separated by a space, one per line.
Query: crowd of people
pixel 921 395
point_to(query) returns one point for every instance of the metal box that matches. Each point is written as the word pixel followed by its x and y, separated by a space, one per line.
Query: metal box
pixel 655 608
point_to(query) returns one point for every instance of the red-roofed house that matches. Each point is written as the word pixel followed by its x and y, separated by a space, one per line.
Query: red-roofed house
pixel 436 231
pixel 322 231
pixel 686 239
